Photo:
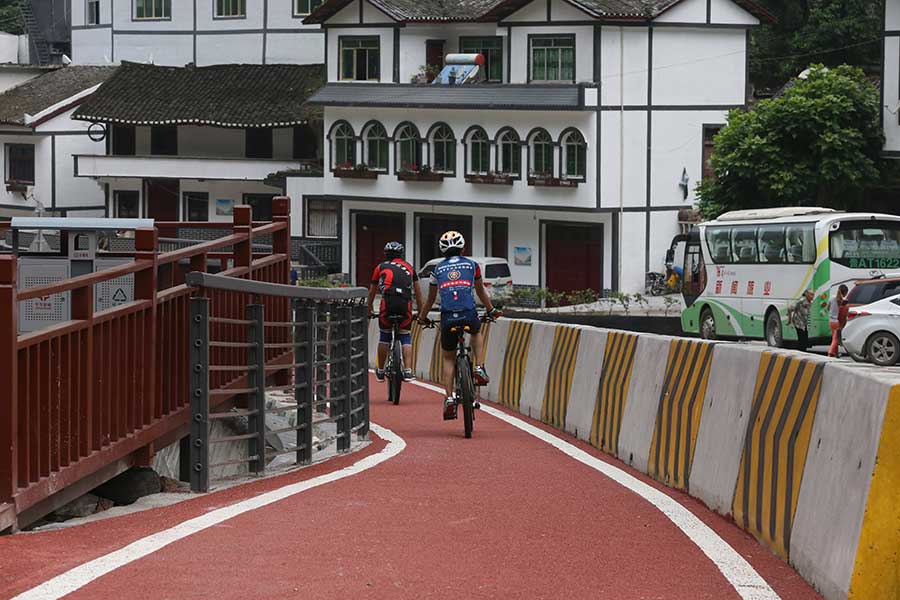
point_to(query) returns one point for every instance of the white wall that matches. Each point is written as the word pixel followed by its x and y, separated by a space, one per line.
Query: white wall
pixel 11 76
pixel 687 11
pixel 699 66
pixel 623 73
pixel 218 41
pixel 456 189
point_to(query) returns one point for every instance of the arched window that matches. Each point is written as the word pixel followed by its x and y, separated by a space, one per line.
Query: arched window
pixel 443 148
pixel 541 151
pixel 574 155
pixel 376 147
pixel 408 147
pixel 479 152
pixel 509 153
pixel 343 143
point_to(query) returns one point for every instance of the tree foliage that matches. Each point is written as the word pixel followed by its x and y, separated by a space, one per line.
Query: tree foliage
pixel 11 17
pixel 830 32
pixel 817 144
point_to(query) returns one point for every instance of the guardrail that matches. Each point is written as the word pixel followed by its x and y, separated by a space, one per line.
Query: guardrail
pixel 323 342
pixel 88 398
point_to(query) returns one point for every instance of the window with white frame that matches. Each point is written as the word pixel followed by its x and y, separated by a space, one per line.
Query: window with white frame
pixel 227 9
pixel 574 152
pixel 541 154
pixel 509 153
pixel 322 219
pixel 376 147
pixel 306 7
pixel 343 144
pixel 443 150
pixel 152 9
pixel 552 58
pixel 409 148
pixel 92 17
pixel 360 59
pixel 20 164
pixel 479 149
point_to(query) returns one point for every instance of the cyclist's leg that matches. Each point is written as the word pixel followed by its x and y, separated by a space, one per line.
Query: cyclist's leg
pixel 448 347
pixel 405 337
pixel 384 338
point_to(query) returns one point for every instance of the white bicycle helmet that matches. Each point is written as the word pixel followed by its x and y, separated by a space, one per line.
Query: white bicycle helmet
pixel 452 239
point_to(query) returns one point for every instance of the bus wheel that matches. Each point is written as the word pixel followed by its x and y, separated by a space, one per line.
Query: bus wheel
pixel 707 324
pixel 774 335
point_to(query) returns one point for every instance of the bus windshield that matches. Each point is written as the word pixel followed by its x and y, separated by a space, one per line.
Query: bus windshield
pixel 866 244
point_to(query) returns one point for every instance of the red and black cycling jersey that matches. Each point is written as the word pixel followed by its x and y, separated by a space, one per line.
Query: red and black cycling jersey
pixel 395 277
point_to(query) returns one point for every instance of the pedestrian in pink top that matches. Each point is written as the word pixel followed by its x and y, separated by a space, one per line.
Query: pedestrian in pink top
pixel 834 318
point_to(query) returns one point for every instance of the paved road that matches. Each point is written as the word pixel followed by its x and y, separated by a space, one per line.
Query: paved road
pixel 503 515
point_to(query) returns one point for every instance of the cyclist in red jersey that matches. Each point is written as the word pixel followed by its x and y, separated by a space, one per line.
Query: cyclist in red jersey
pixel 395 280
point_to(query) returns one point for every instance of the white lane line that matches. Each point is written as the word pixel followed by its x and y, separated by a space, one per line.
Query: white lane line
pixel 82 575
pixel 743 578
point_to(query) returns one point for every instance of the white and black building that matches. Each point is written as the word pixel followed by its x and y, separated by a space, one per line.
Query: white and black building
pixel 573 159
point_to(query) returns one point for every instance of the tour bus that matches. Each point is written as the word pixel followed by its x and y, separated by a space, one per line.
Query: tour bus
pixel 743 270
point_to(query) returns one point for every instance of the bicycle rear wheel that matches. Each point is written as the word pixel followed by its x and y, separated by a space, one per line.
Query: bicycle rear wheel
pixel 466 391
pixel 396 380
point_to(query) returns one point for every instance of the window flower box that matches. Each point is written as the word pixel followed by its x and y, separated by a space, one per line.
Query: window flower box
pixel 490 178
pixel 347 170
pixel 541 181
pixel 354 173
pixel 420 175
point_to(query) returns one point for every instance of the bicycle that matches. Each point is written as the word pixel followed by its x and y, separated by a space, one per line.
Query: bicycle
pixel 393 366
pixel 463 381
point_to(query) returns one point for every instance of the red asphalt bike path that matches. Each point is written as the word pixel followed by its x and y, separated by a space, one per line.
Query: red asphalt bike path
pixel 502 515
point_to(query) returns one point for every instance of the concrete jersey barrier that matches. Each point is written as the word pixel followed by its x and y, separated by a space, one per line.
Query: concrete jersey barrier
pixel 803 452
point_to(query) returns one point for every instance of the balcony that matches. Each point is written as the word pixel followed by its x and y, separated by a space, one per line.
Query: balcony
pixel 187 167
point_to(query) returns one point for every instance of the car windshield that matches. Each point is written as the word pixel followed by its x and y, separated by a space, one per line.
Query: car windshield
pixel 867 293
pixel 866 244
pixel 496 270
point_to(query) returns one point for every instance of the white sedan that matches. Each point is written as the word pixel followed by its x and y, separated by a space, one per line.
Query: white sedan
pixel 873 331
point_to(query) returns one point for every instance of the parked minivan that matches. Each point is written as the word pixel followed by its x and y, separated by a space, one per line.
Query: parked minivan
pixel 494 272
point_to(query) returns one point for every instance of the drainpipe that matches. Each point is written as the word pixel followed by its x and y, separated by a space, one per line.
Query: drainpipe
pixel 621 148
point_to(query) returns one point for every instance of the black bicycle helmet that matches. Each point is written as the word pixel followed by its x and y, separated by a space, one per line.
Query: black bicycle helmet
pixel 393 250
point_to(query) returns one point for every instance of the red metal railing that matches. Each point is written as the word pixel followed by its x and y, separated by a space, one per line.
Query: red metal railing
pixel 103 388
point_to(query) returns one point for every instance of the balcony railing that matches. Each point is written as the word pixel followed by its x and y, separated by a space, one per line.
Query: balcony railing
pixel 187 167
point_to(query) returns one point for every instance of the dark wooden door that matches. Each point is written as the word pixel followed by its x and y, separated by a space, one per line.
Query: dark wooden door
pixel 432 228
pixel 574 257
pixel 434 53
pixel 162 202
pixel 373 231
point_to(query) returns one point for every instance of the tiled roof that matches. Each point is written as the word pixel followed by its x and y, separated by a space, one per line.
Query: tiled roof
pixel 480 96
pixel 48 89
pixel 492 10
pixel 220 95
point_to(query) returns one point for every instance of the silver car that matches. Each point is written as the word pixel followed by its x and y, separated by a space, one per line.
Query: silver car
pixel 873 331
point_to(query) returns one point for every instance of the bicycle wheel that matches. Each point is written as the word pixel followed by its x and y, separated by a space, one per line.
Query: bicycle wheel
pixel 396 380
pixel 466 391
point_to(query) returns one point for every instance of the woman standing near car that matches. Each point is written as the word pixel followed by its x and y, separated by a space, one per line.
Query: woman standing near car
pixel 837 317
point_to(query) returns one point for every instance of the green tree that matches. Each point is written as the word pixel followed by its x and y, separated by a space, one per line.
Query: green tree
pixel 830 32
pixel 11 17
pixel 818 144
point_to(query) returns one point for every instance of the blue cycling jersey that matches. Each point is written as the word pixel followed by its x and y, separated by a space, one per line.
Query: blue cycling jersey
pixel 455 279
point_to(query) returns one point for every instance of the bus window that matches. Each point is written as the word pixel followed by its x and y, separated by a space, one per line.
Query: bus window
pixel 744 244
pixel 866 245
pixel 772 248
pixel 801 243
pixel 718 240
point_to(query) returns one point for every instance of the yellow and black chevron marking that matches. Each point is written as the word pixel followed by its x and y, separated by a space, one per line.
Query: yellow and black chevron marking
pixel 680 408
pixel 436 371
pixel 559 378
pixel 517 343
pixel 416 335
pixel 778 432
pixel 618 359
pixel 486 334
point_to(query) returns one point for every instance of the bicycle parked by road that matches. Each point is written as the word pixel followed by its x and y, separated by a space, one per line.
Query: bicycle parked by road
pixel 393 366
pixel 463 381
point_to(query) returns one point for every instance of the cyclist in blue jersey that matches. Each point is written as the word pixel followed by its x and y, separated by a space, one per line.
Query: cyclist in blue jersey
pixel 458 280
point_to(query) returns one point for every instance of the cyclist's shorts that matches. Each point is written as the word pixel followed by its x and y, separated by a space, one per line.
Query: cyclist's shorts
pixel 457 319
pixel 395 306
pixel 384 337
